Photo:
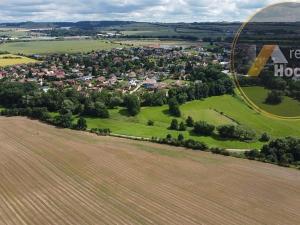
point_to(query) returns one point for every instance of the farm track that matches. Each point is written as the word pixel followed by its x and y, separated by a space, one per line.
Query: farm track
pixel 55 176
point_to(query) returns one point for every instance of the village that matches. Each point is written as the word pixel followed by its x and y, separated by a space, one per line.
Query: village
pixel 124 69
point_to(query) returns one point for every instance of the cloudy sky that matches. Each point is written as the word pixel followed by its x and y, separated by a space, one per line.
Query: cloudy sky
pixel 138 10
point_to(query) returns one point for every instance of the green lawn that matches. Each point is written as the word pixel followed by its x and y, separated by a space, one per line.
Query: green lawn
pixel 289 107
pixel 65 46
pixel 215 110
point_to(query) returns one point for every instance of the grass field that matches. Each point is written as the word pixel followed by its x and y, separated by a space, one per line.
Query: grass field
pixel 215 110
pixel 9 59
pixel 57 176
pixel 156 41
pixel 66 46
pixel 289 107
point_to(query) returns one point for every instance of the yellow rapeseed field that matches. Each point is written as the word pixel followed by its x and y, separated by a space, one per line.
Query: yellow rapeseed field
pixel 9 60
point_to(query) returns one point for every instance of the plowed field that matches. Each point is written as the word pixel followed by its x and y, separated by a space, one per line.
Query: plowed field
pixel 56 176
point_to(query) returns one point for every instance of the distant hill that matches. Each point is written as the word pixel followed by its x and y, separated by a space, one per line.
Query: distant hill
pixel 80 24
pixel 208 31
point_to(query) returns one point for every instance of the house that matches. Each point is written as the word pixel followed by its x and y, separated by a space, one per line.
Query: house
pixel 112 80
pixel 60 74
pixel 149 83
pixel 133 82
pixel 132 75
pixel 85 78
pixel 101 79
pixel 2 75
pixel 45 89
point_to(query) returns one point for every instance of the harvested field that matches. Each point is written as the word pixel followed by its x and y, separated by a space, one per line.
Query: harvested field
pixel 56 176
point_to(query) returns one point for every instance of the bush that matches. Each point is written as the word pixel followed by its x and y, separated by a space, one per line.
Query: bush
pixel 174 125
pixel 284 151
pixel 174 109
pixel 196 145
pixel 102 132
pixel 150 123
pixel 236 132
pixel 274 97
pixel 63 120
pixel 180 142
pixel 35 113
pixel 244 134
pixel 182 126
pixel 203 128
pixel 180 137
pixel 169 136
pixel 265 137
pixel 190 122
pixel 81 124
pixel 220 151
pixel 253 154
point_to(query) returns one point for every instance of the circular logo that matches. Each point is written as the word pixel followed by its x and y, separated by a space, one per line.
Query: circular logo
pixel 265 61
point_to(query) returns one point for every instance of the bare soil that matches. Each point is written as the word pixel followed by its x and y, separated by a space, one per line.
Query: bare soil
pixel 57 176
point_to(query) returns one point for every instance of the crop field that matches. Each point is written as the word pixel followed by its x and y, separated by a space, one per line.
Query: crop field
pixel 9 60
pixel 213 110
pixel 13 32
pixel 57 176
pixel 63 46
pixel 288 107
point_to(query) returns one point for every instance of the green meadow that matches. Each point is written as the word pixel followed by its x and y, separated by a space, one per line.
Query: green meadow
pixel 289 107
pixel 59 46
pixel 215 110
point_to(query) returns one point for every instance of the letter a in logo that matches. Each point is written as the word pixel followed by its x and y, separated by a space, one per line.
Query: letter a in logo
pixel 261 60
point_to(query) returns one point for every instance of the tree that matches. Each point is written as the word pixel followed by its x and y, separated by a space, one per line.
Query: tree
pixel 150 123
pixel 114 102
pixel 174 125
pixel 226 131
pixel 64 120
pixel 81 124
pixel 190 122
pixel 132 104
pixel 154 99
pixel 244 134
pixel 174 109
pixel 274 97
pixel 67 106
pixel 282 151
pixel 182 126
pixel 169 137
pixel 94 72
pixel 236 132
pixel 180 137
pixel 101 110
pixel 203 128
pixel 97 109
pixel 265 137
pixel 252 154
pixel 30 75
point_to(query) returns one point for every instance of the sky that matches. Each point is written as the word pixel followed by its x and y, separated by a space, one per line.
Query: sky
pixel 132 10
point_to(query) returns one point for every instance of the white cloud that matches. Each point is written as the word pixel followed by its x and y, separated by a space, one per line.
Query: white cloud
pixel 138 10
